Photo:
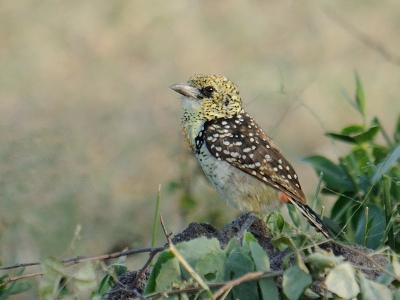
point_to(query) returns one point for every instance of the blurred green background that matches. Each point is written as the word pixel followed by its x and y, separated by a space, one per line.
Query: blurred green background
pixel 89 127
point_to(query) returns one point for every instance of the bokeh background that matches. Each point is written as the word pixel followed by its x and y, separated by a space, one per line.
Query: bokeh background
pixel 89 127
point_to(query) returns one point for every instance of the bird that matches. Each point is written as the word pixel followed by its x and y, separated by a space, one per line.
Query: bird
pixel 244 165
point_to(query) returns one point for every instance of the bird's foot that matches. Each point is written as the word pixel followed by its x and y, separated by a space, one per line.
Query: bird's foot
pixel 251 217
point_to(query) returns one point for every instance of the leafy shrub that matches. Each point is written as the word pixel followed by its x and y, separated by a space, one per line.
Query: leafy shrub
pixel 200 269
pixel 366 181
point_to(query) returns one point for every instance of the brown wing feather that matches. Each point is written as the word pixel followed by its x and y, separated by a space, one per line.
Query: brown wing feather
pixel 240 141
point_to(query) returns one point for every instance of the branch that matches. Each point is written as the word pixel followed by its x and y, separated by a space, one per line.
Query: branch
pixel 139 295
pixel 139 274
pixel 11 279
pixel 224 286
pixel 246 277
pixel 184 263
pixel 72 261
pixel 369 257
pixel 79 259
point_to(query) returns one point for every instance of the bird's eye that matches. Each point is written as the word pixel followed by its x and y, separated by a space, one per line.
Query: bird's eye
pixel 207 91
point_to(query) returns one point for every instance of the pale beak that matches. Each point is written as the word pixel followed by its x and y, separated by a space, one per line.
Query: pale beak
pixel 186 90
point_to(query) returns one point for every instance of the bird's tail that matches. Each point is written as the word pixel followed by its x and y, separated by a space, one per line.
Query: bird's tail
pixel 312 218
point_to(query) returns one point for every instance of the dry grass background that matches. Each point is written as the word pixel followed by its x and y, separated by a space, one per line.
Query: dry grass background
pixel 89 127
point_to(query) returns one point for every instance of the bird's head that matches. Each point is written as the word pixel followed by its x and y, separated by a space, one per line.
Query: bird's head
pixel 209 97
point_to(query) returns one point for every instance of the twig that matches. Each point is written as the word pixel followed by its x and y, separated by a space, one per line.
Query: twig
pixel 133 291
pixel 183 261
pixel 167 235
pixel 140 273
pixel 143 269
pixel 137 294
pixel 230 284
pixel 72 261
pixel 246 277
pixel 19 265
pixel 153 239
pixel 368 257
pixel 11 279
pixel 80 259
pixel 359 35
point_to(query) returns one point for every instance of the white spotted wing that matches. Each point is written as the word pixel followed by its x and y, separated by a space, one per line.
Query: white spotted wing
pixel 240 141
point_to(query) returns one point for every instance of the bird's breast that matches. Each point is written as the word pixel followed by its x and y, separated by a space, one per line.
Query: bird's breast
pixel 238 188
pixel 218 172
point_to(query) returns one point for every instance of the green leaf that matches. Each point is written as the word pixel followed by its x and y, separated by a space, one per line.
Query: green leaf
pixel 294 282
pixel 197 248
pixel 247 239
pixel 260 257
pixel 105 284
pixel 352 129
pixel 334 176
pixel 342 207
pixel 341 137
pixel 342 281
pixel 384 278
pixel 371 290
pixel 17 288
pixel 310 294
pixel 384 167
pixel 374 228
pixel 367 136
pixel 294 215
pixel 389 213
pixel 379 153
pixel 237 265
pixel 166 270
pixel 397 241
pixel 205 256
pixel 118 269
pixel 276 223
pixel 322 261
pixel 14 287
pixel 268 288
pixel 396 134
pixel 280 221
pixel 396 295
pixel 53 271
pixel 283 242
pixel 85 277
pixel 360 96
pixel 352 138
pixel 211 267
pixel 359 167
pixel 395 265
pixel 113 272
pixel 233 245
pixel 394 175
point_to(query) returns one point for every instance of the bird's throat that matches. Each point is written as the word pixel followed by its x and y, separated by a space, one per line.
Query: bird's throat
pixel 191 130
pixel 192 121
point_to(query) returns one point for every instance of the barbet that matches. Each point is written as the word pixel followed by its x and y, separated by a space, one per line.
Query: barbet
pixel 242 163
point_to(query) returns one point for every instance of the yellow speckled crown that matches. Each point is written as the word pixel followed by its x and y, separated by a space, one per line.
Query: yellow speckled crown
pixel 225 99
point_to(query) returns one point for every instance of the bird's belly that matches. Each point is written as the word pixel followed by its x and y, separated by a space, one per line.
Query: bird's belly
pixel 238 188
